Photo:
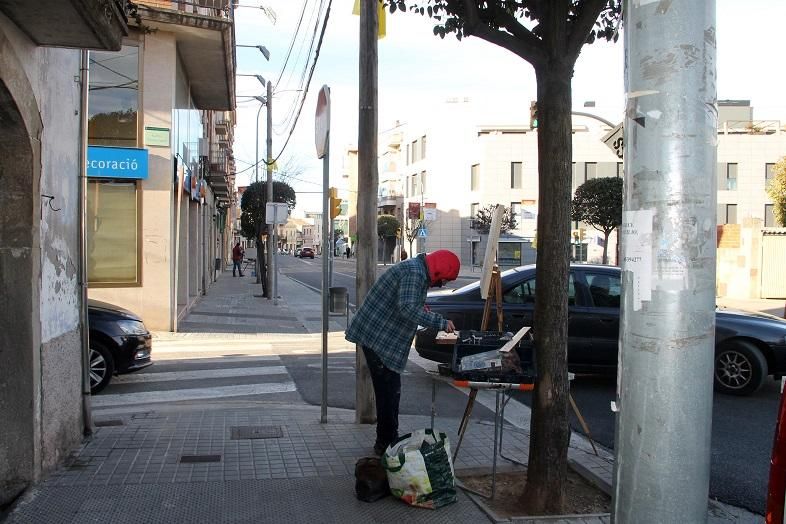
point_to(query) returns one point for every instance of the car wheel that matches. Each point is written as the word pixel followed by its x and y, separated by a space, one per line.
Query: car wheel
pixel 740 368
pixel 102 367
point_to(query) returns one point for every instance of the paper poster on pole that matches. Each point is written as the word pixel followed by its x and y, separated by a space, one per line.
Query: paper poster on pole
pixel 491 251
pixel 636 233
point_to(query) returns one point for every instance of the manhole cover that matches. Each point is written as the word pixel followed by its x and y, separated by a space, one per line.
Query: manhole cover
pixel 255 432
pixel 110 422
pixel 192 459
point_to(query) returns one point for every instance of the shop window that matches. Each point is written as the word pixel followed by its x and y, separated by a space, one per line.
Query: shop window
pixel 114 97
pixel 112 232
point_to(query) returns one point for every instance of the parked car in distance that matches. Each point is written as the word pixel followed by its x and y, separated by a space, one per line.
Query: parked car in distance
pixel 748 346
pixel 119 343
pixel 307 252
pixel 297 252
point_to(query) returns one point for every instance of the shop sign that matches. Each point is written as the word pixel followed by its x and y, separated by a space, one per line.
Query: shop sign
pixel 413 211
pixel 157 136
pixel 117 162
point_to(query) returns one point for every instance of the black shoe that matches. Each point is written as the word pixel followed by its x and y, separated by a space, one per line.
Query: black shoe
pixel 242 275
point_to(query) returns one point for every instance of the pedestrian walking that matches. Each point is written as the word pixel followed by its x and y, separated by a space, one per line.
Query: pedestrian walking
pixel 237 259
pixel 385 325
pixel 348 251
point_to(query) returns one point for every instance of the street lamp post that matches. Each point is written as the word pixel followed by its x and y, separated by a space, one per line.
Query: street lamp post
pixel 262 49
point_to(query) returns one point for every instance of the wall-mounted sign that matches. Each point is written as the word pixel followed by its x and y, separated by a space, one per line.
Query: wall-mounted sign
pixel 413 211
pixel 157 136
pixel 117 162
pixel 429 214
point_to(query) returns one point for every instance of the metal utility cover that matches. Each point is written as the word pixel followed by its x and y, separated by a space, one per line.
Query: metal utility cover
pixel 111 422
pixel 193 459
pixel 255 432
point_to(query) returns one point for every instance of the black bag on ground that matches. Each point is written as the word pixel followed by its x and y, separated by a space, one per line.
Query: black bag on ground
pixel 371 481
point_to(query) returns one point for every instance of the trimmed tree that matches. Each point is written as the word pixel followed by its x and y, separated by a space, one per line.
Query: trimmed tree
pixel 776 190
pixel 549 35
pixel 598 203
pixel 411 231
pixel 252 217
pixel 387 225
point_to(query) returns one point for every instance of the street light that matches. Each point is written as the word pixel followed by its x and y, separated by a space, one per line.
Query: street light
pixel 258 77
pixel 268 11
pixel 262 49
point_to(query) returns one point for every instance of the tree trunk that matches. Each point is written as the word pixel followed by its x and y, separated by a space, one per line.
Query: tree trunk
pixel 606 246
pixel 549 431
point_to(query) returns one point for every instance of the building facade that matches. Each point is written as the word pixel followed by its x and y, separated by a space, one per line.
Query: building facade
pixel 437 176
pixel 42 336
pixel 158 239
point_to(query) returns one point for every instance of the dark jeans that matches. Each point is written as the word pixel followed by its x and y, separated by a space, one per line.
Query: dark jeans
pixel 236 265
pixel 387 390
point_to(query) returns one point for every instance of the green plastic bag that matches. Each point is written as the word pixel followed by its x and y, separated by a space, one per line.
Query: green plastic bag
pixel 420 470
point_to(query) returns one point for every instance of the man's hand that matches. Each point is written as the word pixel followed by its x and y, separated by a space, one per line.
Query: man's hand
pixel 451 328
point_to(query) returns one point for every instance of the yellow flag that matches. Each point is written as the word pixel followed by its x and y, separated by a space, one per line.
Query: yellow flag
pixel 382 29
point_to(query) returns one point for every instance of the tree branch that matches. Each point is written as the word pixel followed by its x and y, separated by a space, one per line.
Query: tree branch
pixel 581 27
pixel 527 47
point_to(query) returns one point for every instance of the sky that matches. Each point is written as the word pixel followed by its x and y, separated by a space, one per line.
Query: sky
pixel 418 70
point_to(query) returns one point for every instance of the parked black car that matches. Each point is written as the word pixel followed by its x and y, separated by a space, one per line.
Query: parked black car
pixel 748 346
pixel 119 343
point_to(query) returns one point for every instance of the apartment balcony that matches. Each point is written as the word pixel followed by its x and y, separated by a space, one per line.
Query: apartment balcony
pixel 205 33
pixel 390 199
pixel 87 24
pixel 219 161
pixel 222 123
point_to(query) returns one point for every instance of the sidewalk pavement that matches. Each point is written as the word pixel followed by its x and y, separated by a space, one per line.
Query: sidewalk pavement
pixel 264 461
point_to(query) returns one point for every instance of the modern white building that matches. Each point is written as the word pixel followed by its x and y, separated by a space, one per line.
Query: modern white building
pixel 454 165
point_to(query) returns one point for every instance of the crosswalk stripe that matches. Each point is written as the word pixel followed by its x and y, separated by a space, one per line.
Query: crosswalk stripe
pixel 149 397
pixel 207 348
pixel 167 376
pixel 228 359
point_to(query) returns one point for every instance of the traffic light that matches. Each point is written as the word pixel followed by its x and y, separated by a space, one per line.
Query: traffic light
pixel 335 204
pixel 533 115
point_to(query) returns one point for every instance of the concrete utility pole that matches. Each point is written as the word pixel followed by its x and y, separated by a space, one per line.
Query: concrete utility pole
pixel 668 264
pixel 368 176
pixel 271 235
pixel 257 242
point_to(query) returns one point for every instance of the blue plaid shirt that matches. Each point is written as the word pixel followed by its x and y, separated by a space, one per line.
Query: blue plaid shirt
pixel 389 316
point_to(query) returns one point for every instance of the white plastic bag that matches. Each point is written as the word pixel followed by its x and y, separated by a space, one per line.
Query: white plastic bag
pixel 420 469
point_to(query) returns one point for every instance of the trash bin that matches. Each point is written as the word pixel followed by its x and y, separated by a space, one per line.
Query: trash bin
pixel 338 300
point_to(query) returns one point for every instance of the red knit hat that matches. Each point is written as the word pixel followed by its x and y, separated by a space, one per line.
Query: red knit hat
pixel 442 265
